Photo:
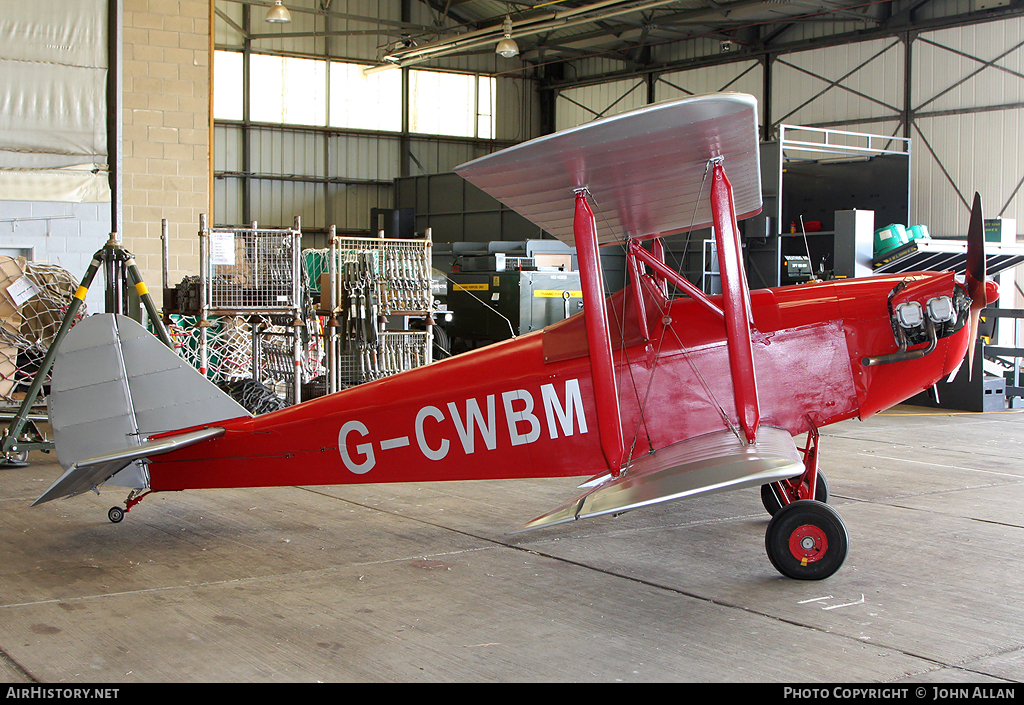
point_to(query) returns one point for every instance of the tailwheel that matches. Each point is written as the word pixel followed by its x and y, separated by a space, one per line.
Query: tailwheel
pixel 116 514
pixel 806 540
pixel 770 499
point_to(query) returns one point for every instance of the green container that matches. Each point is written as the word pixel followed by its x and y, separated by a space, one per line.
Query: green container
pixel 890 238
pixel 918 232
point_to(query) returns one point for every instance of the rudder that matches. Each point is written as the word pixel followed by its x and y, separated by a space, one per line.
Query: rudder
pixel 113 386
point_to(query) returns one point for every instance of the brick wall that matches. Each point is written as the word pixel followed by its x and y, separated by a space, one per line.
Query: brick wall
pixel 166 148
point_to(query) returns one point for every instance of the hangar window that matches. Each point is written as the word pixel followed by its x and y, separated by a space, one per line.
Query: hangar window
pixel 456 104
pixel 228 98
pixel 287 89
pixel 485 107
pixel 363 102
pixel 293 90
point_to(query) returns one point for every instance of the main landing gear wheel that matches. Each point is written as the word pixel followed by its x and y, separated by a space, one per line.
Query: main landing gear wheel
pixel 807 540
pixel 772 504
pixel 116 514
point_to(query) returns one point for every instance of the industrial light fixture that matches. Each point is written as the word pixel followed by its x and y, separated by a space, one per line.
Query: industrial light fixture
pixel 507 47
pixel 278 13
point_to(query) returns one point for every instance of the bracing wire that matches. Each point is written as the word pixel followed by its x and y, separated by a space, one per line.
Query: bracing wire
pixel 621 322
pixel 483 303
pixel 665 327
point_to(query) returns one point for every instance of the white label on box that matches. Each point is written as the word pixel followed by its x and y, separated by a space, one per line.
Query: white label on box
pixel 222 248
pixel 21 290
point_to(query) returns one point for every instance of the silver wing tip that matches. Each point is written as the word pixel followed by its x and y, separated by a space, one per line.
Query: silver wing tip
pixel 43 498
pixel 542 521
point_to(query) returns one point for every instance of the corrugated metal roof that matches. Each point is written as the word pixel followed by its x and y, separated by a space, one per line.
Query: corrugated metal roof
pixel 545 30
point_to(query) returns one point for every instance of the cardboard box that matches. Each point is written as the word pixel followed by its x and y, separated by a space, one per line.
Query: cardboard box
pixel 240 272
pixel 325 292
pixel 11 319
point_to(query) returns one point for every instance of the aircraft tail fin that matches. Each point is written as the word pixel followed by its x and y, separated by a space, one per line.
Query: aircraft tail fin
pixel 114 385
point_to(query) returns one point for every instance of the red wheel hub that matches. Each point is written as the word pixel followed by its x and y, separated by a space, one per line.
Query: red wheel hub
pixel 808 544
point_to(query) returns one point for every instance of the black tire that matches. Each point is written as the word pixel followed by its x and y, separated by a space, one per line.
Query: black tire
pixel 442 345
pixel 772 504
pixel 807 540
pixel 116 514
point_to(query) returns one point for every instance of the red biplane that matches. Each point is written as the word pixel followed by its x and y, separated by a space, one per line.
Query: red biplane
pixel 653 397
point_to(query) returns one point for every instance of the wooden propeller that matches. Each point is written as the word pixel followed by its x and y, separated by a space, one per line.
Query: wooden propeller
pixel 975 276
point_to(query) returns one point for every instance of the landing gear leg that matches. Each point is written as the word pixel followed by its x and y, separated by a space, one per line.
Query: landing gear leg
pixel 806 539
pixel 810 485
pixel 791 489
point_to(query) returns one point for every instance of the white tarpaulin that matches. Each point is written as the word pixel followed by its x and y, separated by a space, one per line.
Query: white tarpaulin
pixel 53 64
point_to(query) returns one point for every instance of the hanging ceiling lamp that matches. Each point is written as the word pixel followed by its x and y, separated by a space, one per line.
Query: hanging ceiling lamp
pixel 507 47
pixel 278 13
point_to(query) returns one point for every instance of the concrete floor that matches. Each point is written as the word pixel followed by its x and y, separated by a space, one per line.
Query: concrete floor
pixel 420 582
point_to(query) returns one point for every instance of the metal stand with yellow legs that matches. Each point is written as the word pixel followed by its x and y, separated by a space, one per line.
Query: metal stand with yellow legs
pixel 119 265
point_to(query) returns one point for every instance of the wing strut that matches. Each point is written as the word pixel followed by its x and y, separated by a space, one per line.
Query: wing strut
pixel 602 369
pixel 667 274
pixel 658 250
pixel 735 302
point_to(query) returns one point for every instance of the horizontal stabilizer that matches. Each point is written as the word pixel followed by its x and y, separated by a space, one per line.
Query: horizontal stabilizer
pixel 710 463
pixel 115 385
pixel 87 474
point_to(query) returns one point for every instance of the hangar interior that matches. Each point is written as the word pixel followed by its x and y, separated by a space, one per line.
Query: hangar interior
pixel 282 174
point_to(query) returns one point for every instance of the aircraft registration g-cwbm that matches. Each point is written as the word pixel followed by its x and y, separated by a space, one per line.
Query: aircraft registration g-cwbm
pixel 653 397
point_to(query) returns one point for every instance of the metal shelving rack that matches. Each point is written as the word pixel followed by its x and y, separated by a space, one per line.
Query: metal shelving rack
pixel 816 172
pixel 366 283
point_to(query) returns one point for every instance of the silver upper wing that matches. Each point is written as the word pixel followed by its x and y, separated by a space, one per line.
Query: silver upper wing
pixel 645 169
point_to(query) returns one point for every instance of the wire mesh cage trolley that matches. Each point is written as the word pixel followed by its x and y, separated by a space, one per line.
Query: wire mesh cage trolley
pixel 253 271
pixel 368 286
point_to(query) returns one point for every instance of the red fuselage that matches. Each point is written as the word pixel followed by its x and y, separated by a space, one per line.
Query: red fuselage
pixel 525 407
